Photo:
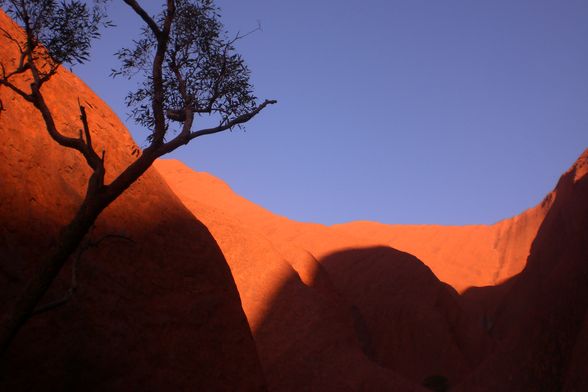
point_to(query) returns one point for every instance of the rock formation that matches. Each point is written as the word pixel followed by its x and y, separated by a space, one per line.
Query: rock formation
pixel 160 305
pixel 156 307
pixel 322 299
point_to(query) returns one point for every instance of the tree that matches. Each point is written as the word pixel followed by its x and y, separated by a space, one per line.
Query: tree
pixel 189 69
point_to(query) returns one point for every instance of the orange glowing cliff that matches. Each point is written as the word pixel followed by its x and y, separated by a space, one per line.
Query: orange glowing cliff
pixel 184 285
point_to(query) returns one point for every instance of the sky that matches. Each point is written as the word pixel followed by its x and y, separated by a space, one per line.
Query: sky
pixel 412 112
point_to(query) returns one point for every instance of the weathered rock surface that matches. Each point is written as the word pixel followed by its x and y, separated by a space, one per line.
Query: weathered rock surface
pixel 462 256
pixel 330 307
pixel 159 313
pixel 540 322
pixel 359 306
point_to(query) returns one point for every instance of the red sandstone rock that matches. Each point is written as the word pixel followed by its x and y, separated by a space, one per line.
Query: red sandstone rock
pixel 462 256
pixel 161 313
pixel 331 308
pixel 540 321
pixel 320 300
pixel 309 289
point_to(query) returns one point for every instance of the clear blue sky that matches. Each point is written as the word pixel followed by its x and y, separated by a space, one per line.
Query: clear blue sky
pixel 412 111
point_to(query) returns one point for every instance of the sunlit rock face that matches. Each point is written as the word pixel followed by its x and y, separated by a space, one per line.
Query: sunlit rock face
pixel 354 307
pixel 367 306
pixel 463 256
pixel 156 309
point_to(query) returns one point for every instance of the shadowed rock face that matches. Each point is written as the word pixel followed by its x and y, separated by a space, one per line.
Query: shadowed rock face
pixel 159 313
pixel 541 319
pixel 337 308
pixel 462 256
pixel 342 308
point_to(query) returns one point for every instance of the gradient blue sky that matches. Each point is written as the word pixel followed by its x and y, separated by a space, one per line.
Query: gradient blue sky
pixel 413 111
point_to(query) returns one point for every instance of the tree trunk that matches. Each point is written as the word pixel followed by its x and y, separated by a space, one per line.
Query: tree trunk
pixel 68 241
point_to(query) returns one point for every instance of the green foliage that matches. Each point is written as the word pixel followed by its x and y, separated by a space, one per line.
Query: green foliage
pixel 58 31
pixel 201 69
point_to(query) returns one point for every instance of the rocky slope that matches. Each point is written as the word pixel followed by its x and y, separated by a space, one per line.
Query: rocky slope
pixel 156 311
pixel 463 256
pixel 540 321
pixel 360 306
pixel 330 307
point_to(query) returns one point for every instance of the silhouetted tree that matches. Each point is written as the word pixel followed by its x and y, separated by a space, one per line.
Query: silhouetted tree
pixel 189 69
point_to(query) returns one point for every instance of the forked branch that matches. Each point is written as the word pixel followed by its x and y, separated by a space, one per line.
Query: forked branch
pixel 185 137
pixel 223 89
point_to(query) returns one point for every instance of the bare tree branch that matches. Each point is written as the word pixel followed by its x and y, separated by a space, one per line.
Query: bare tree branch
pixel 185 137
pixel 207 70
pixel 145 16
pixel 234 122
pixel 158 95
pixel 181 81
pixel 162 37
pixel 20 92
pixel 65 141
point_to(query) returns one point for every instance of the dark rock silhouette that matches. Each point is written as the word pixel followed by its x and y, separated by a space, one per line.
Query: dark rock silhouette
pixel 540 321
